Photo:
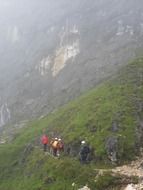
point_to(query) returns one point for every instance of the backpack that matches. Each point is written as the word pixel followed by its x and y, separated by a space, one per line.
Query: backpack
pixel 85 150
pixel 55 144
pixel 60 145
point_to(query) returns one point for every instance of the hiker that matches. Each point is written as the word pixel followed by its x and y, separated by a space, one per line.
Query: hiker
pixel 60 147
pixel 84 152
pixel 57 146
pixel 54 146
pixel 45 142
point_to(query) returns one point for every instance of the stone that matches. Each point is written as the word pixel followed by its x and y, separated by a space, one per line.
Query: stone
pixel 115 126
pixel 112 148
pixel 130 187
pixel 84 188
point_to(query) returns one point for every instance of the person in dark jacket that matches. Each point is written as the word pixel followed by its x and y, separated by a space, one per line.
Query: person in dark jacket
pixel 45 142
pixel 84 152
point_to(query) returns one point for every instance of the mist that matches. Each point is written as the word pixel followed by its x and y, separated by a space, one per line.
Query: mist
pixel 52 51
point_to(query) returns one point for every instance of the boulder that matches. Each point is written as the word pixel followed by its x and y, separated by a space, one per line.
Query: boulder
pixel 130 187
pixel 112 148
pixel 84 188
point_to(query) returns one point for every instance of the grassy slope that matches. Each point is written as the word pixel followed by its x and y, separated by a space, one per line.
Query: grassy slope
pixel 115 100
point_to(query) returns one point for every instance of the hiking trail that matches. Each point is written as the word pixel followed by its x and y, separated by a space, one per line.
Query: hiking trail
pixel 135 168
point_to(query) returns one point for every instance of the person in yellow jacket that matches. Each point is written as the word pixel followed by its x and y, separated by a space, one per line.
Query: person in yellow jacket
pixel 54 146
pixel 57 146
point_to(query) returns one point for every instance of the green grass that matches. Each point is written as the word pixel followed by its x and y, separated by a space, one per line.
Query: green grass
pixel 89 117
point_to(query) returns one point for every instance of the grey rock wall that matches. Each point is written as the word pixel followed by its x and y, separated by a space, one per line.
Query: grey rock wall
pixel 53 50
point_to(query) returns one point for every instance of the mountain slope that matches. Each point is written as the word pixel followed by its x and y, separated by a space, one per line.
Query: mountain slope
pixel 113 112
pixel 52 51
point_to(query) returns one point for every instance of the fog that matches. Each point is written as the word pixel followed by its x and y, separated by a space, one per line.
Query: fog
pixel 53 50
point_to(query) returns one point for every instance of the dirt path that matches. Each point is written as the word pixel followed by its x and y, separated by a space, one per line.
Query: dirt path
pixel 133 169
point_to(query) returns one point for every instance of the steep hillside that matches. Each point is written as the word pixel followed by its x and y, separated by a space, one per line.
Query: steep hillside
pixel 109 118
pixel 53 50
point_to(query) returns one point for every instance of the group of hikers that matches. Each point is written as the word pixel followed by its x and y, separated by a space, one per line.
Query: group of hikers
pixel 55 144
pixel 56 147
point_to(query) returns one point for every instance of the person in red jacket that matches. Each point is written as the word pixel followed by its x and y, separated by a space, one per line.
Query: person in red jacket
pixel 45 142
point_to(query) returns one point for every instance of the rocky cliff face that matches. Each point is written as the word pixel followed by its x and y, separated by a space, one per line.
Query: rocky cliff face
pixel 52 51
